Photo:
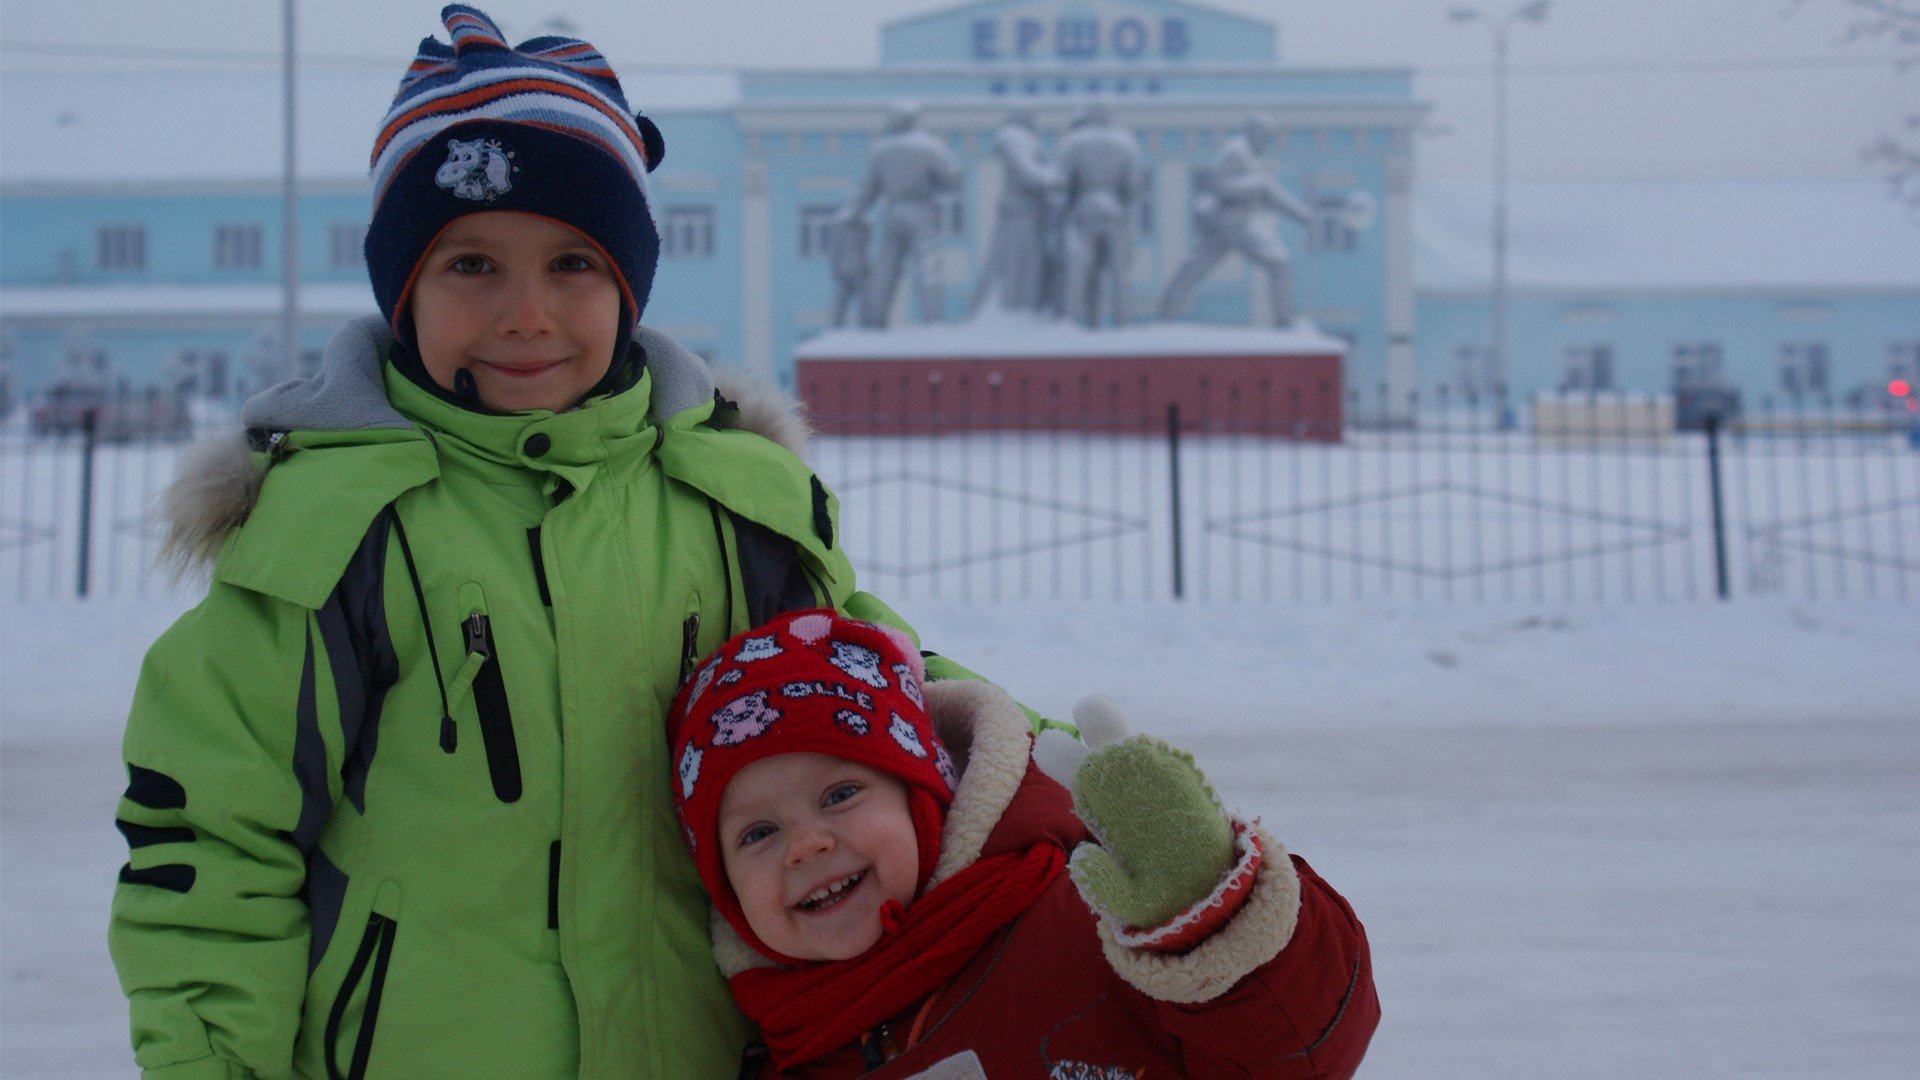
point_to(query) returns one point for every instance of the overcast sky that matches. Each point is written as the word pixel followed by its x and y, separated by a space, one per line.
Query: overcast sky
pixel 1604 88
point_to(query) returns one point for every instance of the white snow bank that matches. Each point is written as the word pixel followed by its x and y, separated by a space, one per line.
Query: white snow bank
pixel 1010 336
pixel 133 300
pixel 1663 841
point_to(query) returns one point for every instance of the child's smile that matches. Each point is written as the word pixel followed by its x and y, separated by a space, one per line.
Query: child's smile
pixel 828 896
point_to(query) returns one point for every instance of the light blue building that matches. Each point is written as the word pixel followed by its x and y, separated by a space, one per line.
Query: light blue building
pixel 141 216
pixel 140 231
pixel 1793 292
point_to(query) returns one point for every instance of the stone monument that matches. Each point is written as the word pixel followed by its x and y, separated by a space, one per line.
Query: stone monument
pixel 1239 186
pixel 908 172
pixel 1099 167
pixel 847 239
pixel 1014 272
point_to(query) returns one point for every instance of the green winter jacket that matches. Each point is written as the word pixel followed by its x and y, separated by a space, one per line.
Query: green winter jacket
pixel 397 801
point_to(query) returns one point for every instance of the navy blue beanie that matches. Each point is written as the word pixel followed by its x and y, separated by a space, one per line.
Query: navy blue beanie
pixel 540 129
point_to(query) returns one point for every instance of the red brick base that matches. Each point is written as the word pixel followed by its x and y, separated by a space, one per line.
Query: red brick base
pixel 1291 396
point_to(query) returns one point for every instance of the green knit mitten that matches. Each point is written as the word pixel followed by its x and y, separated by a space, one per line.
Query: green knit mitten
pixel 1164 843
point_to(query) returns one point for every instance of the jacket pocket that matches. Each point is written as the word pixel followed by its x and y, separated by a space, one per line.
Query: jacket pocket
pixel 490 702
pixel 369 964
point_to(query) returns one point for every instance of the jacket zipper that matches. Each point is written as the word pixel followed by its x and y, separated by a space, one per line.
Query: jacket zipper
pixel 496 718
pixel 375 945
pixel 689 645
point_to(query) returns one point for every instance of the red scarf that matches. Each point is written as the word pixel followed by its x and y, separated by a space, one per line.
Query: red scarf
pixel 809 1012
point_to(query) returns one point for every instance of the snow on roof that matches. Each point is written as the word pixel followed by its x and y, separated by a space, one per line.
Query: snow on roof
pixel 140 124
pixel 1707 234
pixel 1007 336
pixel 142 300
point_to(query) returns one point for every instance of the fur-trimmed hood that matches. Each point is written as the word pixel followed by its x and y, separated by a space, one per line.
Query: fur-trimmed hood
pixel 217 481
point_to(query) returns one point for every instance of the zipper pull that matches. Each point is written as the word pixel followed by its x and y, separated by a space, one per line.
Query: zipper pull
pixel 689 645
pixel 478 635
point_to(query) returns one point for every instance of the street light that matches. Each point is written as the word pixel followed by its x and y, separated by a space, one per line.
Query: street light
pixel 289 205
pixel 1534 11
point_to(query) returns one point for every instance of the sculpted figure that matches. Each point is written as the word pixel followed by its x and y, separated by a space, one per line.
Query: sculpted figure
pixel 1100 173
pixel 908 172
pixel 1016 263
pixel 1240 186
pixel 847 241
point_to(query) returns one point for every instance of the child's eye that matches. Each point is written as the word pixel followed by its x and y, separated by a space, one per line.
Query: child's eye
pixel 840 793
pixel 573 264
pixel 470 264
pixel 755 834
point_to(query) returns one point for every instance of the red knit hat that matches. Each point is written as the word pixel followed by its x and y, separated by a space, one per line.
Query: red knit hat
pixel 806 682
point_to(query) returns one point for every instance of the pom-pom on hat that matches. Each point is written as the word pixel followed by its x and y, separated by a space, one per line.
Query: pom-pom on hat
pixel 809 682
pixel 542 129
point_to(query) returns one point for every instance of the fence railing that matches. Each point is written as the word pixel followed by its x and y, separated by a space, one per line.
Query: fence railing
pixel 1563 499
pixel 1251 498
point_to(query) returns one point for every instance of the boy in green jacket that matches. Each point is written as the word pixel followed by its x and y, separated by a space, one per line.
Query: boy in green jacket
pixel 398 803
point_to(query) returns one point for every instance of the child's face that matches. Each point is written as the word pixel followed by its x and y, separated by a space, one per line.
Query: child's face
pixel 530 307
pixel 796 827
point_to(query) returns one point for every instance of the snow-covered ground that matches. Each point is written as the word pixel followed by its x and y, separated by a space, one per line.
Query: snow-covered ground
pixel 1658 841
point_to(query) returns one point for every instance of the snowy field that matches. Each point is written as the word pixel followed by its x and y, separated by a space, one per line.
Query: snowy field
pixel 1655 841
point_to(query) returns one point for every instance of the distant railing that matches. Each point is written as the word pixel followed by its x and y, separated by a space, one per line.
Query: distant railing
pixel 1042 496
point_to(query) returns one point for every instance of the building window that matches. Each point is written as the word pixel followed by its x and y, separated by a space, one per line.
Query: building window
pixel 120 247
pixel 236 247
pixel 1588 313
pixel 1696 365
pixel 1331 230
pixel 1587 368
pixel 1473 373
pixel 687 232
pixel 1903 362
pixel 199 373
pixel 1803 369
pixel 346 245
pixel 815 221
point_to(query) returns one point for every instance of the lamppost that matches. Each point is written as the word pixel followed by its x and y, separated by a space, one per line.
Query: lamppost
pixel 1533 11
pixel 289 206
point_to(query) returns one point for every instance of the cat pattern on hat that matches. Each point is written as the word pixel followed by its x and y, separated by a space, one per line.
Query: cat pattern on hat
pixel 745 717
pixel 860 662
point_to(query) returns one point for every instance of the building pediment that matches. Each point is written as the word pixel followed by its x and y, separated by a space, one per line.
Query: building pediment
pixel 1024 33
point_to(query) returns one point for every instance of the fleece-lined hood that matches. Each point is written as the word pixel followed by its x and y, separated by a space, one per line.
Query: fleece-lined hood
pixel 217 481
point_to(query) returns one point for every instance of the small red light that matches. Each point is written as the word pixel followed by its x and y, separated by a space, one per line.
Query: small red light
pixel 1899 388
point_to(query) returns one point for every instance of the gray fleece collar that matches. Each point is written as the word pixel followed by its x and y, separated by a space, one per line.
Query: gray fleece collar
pixel 349 392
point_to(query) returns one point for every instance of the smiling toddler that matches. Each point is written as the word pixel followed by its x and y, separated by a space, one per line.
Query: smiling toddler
pixel 885 859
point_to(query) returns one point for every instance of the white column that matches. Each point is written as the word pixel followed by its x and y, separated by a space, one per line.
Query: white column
pixel 756 271
pixel 1398 220
pixel 1172 216
pixel 989 176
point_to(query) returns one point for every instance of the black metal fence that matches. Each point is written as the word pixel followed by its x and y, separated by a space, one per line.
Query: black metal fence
pixel 79 476
pixel 1592 498
pixel 1247 498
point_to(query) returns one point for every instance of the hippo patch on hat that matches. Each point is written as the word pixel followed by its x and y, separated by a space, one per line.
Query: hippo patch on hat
pixel 477 169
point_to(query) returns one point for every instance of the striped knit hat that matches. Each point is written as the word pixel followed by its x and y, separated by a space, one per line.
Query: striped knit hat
pixel 541 129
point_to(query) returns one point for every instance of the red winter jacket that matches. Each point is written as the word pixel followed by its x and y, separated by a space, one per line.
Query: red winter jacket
pixel 1284 990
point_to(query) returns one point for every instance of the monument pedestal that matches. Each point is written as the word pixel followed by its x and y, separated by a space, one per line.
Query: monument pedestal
pixel 1011 374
